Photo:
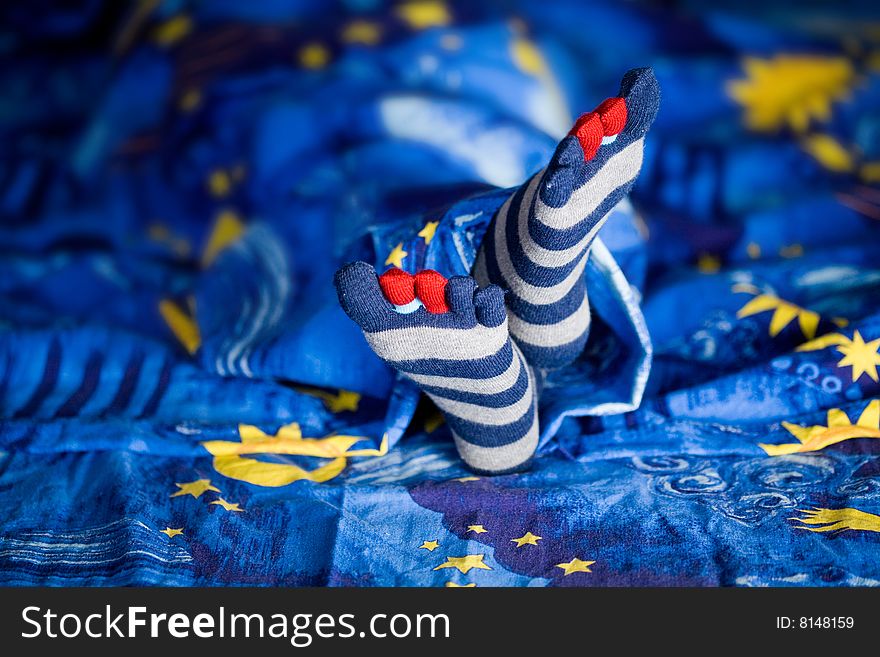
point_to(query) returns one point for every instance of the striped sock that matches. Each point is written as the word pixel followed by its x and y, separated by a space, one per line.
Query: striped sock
pixel 451 339
pixel 539 241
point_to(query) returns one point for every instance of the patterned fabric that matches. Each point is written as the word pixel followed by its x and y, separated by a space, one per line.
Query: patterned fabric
pixel 182 401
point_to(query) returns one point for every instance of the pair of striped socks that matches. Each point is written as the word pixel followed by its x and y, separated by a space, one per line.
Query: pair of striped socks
pixel 475 344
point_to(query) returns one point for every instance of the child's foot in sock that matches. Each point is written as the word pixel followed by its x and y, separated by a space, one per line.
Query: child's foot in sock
pixel 452 340
pixel 539 241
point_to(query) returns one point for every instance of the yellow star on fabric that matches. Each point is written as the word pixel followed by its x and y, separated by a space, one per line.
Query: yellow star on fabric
pixel 171 533
pixel 477 529
pixel 229 506
pixel 344 400
pixel 314 56
pixel 792 251
pixel 453 585
pixel 396 256
pixel 219 183
pixel 173 30
pixel 364 32
pixel 861 356
pixel 430 546
pixel 190 100
pixel 427 233
pixel 527 57
pixel 708 263
pixel 528 539
pixel 576 566
pixel 465 564
pixel 195 488
pixel 433 422
pixel 422 14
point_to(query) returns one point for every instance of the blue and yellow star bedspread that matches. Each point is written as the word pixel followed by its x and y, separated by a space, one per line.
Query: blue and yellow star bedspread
pixel 183 403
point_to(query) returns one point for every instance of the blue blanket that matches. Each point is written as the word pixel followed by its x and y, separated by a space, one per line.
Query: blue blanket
pixel 182 402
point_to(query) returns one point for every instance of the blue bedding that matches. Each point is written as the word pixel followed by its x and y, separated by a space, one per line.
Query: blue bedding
pixel 182 401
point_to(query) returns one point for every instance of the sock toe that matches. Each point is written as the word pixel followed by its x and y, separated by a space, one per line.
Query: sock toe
pixel 460 294
pixel 489 306
pixel 360 296
pixel 641 91
pixel 565 173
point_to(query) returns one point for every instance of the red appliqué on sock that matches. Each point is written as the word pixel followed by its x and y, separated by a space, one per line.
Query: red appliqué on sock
pixel 398 286
pixel 607 120
pixel 612 113
pixel 589 131
pixel 430 287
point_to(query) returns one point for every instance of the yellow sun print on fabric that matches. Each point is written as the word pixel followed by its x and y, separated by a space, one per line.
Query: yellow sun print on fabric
pixel 862 356
pixel 230 459
pixel 784 312
pixel 838 429
pixel 791 91
pixel 838 520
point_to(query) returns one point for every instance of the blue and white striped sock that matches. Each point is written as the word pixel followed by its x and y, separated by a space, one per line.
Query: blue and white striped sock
pixel 539 241
pixel 452 340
